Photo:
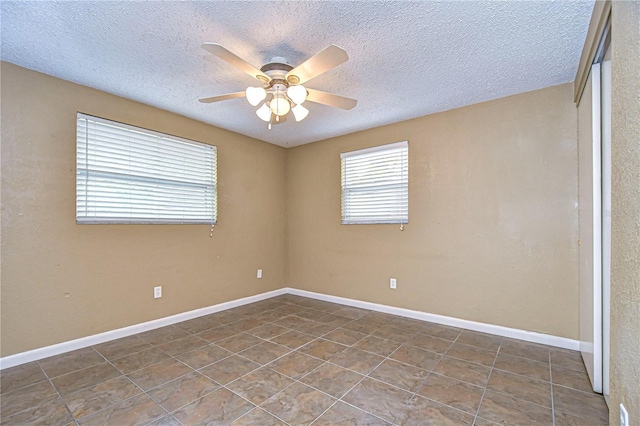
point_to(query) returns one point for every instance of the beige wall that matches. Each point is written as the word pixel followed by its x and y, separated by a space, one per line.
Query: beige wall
pixel 492 216
pixel 492 232
pixel 625 210
pixel 62 281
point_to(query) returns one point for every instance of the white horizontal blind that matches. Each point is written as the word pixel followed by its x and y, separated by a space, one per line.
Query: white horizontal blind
pixel 375 185
pixel 125 174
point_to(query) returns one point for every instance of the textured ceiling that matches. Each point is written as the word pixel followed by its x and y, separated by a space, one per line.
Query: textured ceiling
pixel 407 59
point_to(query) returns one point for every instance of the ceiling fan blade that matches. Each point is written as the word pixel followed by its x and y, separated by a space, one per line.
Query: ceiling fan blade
pixel 235 60
pixel 222 97
pixel 330 99
pixel 320 63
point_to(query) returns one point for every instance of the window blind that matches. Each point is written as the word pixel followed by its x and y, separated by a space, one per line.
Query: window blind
pixel 375 186
pixel 126 174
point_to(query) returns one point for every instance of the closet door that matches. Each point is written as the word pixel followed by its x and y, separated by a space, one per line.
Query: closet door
pixel 605 87
pixel 590 227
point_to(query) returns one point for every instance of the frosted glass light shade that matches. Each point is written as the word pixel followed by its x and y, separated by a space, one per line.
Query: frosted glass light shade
pixel 264 112
pixel 299 112
pixel 280 106
pixel 297 94
pixel 255 95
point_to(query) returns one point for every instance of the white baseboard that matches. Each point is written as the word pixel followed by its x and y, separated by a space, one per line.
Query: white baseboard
pixel 514 333
pixel 83 342
pixel 45 352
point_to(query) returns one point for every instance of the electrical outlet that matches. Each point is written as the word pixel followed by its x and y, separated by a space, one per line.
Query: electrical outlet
pixel 259 273
pixel 157 292
pixel 392 283
pixel 624 416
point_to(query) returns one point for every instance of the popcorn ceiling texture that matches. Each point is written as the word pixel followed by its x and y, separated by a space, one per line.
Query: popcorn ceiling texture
pixel 407 59
pixel 625 210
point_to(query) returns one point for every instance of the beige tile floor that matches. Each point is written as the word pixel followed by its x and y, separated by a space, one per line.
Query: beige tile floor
pixel 297 361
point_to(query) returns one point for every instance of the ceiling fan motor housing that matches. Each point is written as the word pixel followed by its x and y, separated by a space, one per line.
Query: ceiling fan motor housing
pixel 277 71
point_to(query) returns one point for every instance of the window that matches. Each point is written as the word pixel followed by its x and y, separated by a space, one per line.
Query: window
pixel 125 174
pixel 375 186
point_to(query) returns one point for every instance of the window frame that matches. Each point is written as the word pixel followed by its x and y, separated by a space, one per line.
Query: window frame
pixel 402 192
pixel 208 181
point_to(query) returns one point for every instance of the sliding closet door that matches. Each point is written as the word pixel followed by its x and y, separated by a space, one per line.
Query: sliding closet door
pixel 590 224
pixel 606 216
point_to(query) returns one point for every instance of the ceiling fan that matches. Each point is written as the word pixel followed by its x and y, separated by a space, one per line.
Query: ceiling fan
pixel 282 90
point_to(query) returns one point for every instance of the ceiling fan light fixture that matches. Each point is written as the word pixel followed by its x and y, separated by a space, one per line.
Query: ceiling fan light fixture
pixel 264 112
pixel 282 87
pixel 280 106
pixel 299 112
pixel 297 94
pixel 255 95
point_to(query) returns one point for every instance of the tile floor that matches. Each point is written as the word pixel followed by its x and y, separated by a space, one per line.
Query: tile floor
pixel 297 361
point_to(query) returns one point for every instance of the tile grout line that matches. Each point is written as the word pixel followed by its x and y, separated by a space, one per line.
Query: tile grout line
pixel 345 393
pixel 257 407
pixel 486 385
pixel 524 375
pixel 46 379
pixel 77 390
pixel 62 398
pixel 328 362
pixel 260 366
pixel 431 372
pixel 350 389
pixel 193 370
pixel 445 353
pixel 289 377
pixel 126 399
pixel 57 393
pixel 442 355
pixel 423 381
pixel 221 386
pixel 553 409
pixel 173 380
pixel 388 357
